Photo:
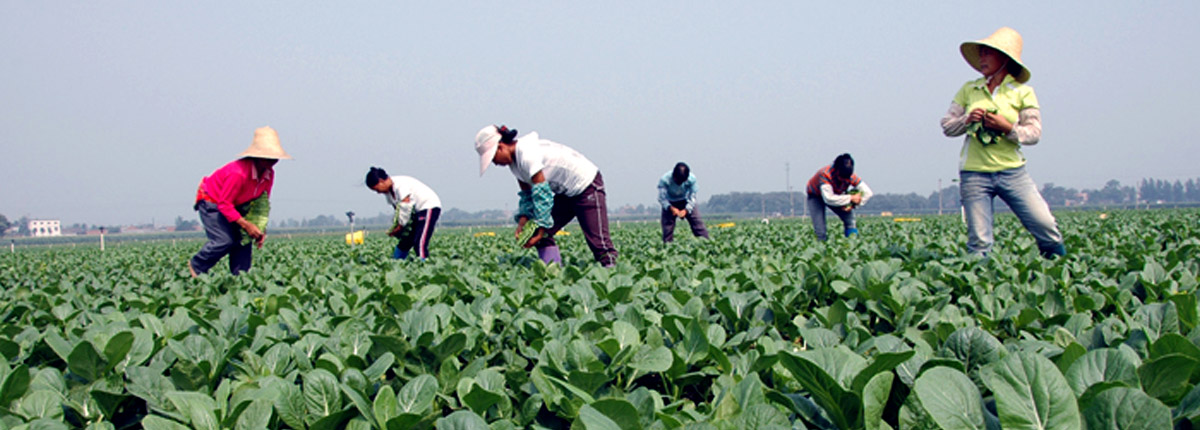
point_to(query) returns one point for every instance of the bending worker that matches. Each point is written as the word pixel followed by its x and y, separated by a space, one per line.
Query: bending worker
pixel 837 187
pixel 417 210
pixel 557 184
pixel 233 193
pixel 677 195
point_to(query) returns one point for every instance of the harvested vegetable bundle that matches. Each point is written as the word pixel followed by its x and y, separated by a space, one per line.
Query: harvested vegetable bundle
pixel 985 135
pixel 403 216
pixel 256 212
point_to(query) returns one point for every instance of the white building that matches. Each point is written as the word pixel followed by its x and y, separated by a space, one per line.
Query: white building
pixel 45 227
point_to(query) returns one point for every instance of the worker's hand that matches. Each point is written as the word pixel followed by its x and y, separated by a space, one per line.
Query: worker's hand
pixel 848 208
pixel 976 115
pixel 520 226
pixel 533 240
pixel 261 239
pixel 997 122
pixel 251 230
pixel 856 199
pixel 395 231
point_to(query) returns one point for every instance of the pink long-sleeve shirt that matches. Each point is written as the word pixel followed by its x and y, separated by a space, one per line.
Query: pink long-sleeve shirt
pixel 236 183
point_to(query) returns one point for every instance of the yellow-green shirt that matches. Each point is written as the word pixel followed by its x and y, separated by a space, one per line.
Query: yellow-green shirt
pixel 1013 100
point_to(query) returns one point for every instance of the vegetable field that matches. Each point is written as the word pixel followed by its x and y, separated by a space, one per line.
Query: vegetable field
pixel 761 327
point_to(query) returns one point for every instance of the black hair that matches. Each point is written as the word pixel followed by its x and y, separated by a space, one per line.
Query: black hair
pixel 507 135
pixel 843 166
pixel 1013 68
pixel 374 176
pixel 681 172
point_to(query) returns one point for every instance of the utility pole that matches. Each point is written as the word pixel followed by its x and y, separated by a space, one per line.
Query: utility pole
pixel 787 167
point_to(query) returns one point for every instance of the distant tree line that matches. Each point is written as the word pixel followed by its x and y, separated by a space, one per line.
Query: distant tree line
pixel 1147 191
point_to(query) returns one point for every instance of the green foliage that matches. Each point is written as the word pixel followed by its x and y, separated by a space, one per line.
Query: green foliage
pixel 760 327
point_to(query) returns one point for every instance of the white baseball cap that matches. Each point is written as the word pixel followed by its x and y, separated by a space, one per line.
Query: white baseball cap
pixel 486 142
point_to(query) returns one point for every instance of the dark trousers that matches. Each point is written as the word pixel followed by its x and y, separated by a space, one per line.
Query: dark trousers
pixel 816 211
pixel 223 238
pixel 423 225
pixel 693 218
pixel 591 207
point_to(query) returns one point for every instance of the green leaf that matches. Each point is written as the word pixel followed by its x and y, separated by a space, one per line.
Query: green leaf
pixel 379 368
pixel 86 362
pixel 626 335
pixel 1103 365
pixel 198 408
pixel 291 405
pixel 620 413
pixel 322 396
pixel 875 397
pixel 882 362
pixel 417 395
pixel 1172 343
pixel 974 347
pixel 154 422
pixel 256 416
pixel 950 398
pixel 650 359
pixel 695 343
pixel 591 419
pixel 385 406
pixel 117 348
pixel 462 420
pixel 1031 393
pixel 1166 377
pixel 14 385
pixel 1127 409
pixel 843 407
pixel 41 404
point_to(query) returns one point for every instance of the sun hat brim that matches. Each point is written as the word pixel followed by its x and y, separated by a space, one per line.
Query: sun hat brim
pixel 265 145
pixel 486 143
pixel 1005 40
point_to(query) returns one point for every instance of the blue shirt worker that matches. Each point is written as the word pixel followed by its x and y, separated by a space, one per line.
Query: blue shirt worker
pixel 677 195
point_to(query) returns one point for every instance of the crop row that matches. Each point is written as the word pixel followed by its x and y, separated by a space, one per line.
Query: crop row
pixel 761 327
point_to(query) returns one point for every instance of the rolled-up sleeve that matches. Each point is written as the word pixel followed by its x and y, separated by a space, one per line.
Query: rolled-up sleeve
pixel 1028 129
pixel 954 123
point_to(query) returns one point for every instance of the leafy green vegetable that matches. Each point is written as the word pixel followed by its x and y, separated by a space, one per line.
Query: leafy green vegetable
pixel 256 212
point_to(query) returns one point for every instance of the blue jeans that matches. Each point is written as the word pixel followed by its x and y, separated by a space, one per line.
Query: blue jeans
pixel 816 211
pixel 1018 190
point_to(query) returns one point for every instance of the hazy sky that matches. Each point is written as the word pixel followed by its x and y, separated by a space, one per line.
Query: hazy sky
pixel 112 112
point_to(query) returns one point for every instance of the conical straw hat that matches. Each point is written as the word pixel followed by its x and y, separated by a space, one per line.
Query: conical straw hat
pixel 1005 40
pixel 265 145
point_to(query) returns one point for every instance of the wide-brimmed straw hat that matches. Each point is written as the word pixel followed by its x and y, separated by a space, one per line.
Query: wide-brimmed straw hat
pixel 265 145
pixel 1005 40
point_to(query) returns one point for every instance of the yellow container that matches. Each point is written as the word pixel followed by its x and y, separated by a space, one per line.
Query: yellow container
pixel 355 238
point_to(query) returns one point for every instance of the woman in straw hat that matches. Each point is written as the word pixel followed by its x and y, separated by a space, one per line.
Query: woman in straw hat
pixel 557 184
pixel 220 194
pixel 998 113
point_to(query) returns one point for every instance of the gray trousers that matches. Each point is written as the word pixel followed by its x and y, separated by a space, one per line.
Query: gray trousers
pixel 693 218
pixel 223 238
pixel 816 211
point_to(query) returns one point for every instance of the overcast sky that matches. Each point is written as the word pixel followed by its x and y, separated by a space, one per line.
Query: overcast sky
pixel 112 112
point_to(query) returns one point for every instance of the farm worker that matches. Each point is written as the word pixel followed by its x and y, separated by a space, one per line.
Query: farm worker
pixel 837 187
pixel 223 199
pixel 417 210
pixel 557 184
pixel 999 114
pixel 677 195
